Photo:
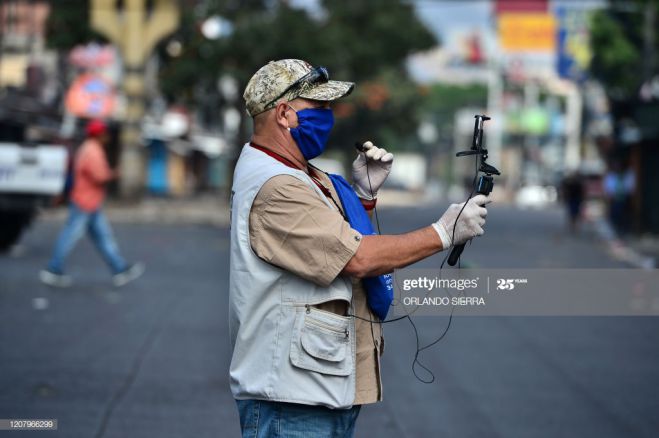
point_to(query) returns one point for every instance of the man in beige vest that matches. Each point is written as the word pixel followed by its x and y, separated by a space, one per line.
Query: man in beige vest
pixel 293 226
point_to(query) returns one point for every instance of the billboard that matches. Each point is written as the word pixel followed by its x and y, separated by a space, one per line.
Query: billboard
pixel 573 51
pixel 527 32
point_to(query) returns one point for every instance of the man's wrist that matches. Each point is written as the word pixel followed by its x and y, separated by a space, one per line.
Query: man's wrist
pixel 368 204
pixel 363 194
pixel 443 235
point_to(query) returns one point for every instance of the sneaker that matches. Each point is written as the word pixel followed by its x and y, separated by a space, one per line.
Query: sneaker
pixel 131 273
pixel 55 280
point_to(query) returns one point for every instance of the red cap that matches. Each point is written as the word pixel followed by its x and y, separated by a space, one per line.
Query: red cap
pixel 96 128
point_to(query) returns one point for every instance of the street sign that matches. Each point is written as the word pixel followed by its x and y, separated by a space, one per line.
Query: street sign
pixel 90 96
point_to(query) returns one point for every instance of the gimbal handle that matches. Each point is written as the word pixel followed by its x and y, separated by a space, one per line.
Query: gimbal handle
pixel 485 182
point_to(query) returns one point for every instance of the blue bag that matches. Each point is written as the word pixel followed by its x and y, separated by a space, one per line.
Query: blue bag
pixel 380 289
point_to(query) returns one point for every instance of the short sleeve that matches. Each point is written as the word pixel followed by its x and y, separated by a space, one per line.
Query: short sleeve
pixel 293 228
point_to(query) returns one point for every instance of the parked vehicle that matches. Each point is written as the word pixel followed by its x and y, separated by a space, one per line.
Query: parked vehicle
pixel 30 176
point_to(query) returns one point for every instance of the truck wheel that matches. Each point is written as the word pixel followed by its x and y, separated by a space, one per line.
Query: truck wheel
pixel 12 224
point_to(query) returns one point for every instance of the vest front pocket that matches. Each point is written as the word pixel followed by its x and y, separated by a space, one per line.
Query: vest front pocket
pixel 321 342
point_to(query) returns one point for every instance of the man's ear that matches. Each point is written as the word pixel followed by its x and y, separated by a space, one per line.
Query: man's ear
pixel 280 115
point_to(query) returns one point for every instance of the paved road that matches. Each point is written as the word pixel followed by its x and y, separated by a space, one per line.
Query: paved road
pixel 151 360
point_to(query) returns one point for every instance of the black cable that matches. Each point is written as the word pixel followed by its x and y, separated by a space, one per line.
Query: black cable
pixel 416 362
pixel 450 319
pixel 377 221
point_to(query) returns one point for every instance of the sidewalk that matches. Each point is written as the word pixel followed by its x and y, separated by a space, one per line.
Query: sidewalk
pixel 647 245
pixel 207 209
pixel 639 252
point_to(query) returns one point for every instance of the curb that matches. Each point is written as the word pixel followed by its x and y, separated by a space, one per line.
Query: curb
pixel 618 249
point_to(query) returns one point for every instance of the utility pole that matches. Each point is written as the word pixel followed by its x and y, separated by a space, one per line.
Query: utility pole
pixel 134 26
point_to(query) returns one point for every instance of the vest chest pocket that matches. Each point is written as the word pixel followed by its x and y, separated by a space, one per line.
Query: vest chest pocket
pixel 322 343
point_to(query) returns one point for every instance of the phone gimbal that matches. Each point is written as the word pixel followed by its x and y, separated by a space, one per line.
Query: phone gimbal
pixel 485 182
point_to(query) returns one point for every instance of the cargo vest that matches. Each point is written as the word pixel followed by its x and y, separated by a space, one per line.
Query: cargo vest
pixel 284 349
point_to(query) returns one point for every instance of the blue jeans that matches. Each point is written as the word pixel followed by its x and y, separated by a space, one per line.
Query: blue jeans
pixel 99 230
pixel 267 419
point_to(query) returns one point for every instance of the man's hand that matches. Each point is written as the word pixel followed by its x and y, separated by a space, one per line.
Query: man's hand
pixel 469 224
pixel 379 163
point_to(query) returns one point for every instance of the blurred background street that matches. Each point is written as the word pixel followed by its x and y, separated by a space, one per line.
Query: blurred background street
pixel 152 359
pixel 572 89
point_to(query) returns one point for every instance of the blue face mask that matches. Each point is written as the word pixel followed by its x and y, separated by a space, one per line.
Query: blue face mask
pixel 314 126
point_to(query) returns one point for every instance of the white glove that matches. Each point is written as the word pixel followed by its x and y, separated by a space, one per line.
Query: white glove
pixel 470 223
pixel 379 163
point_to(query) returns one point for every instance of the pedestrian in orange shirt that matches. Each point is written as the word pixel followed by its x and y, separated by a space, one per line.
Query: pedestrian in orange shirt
pixel 91 173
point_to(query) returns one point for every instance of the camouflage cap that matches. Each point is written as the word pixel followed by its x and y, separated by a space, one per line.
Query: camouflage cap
pixel 273 78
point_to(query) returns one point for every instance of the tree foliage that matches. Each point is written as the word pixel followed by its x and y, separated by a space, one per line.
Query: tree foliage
pixel 617 38
pixel 365 41
pixel 68 25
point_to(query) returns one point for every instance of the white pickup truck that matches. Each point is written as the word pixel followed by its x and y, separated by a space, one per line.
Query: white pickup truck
pixel 30 176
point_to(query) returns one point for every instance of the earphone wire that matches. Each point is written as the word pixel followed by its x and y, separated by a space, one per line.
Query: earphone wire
pixel 416 362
